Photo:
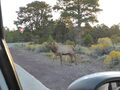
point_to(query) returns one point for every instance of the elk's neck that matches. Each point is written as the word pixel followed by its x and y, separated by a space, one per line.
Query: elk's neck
pixel 54 49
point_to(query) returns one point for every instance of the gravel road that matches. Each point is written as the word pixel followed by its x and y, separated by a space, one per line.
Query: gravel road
pixel 52 74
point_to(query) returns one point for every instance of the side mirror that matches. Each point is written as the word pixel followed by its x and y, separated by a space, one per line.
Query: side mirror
pixel 97 81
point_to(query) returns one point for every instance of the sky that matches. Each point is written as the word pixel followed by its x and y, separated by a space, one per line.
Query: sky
pixel 109 16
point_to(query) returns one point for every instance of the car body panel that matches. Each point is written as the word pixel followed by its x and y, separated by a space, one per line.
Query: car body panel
pixel 93 81
pixel 28 81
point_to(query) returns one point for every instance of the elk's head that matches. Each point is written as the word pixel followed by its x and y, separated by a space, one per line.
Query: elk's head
pixel 53 47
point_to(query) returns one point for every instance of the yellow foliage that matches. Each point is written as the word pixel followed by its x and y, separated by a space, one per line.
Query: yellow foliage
pixel 97 46
pixel 105 41
pixel 32 46
pixel 107 59
pixel 102 43
pixel 112 54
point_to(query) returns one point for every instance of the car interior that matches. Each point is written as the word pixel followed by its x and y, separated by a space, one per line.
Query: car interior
pixel 110 86
pixel 9 79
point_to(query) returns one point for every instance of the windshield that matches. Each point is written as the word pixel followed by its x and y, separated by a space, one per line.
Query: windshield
pixel 58 41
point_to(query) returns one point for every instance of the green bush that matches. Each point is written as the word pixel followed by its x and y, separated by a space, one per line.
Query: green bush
pixel 50 39
pixel 36 39
pixel 82 50
pixel 88 39
pixel 116 47
pixel 69 42
pixel 38 48
pixel 115 38
pixel 30 47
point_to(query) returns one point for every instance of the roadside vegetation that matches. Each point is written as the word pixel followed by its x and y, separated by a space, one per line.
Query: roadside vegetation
pixel 97 42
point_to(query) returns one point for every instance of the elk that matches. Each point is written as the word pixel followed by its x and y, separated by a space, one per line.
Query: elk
pixel 60 49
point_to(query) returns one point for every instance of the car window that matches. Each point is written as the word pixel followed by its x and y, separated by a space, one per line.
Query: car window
pixel 113 85
pixel 3 85
pixel 58 41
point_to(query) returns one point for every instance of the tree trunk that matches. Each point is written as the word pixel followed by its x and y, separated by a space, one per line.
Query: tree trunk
pixel 79 15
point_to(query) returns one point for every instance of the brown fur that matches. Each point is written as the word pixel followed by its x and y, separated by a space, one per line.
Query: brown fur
pixel 54 48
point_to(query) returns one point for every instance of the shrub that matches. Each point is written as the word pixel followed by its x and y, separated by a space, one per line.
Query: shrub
pixel 36 39
pixel 105 41
pixel 37 47
pixel 42 48
pixel 104 46
pixel 30 47
pixel 44 44
pixel 82 50
pixel 115 38
pixel 69 42
pixel 50 39
pixel 117 47
pixel 112 58
pixel 88 39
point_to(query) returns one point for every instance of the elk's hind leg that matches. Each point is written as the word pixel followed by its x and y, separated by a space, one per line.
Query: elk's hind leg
pixel 71 57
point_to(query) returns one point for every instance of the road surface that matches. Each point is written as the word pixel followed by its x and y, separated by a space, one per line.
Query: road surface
pixel 52 74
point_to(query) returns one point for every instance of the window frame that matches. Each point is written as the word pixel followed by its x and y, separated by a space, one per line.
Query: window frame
pixel 7 64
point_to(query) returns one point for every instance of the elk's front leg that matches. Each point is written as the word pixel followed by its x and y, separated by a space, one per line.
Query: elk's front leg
pixel 54 57
pixel 61 59
pixel 75 60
